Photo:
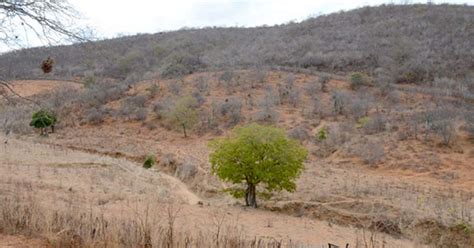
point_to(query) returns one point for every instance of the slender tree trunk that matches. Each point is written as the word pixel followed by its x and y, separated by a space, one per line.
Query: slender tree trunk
pixel 250 196
pixel 184 131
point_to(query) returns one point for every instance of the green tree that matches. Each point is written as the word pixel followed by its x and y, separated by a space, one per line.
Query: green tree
pixel 254 155
pixel 183 113
pixel 42 120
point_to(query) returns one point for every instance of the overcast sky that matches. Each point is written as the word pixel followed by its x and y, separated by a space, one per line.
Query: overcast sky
pixel 111 18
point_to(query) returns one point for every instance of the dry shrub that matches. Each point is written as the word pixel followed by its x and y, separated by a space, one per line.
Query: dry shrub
pixel 143 226
pixel 301 133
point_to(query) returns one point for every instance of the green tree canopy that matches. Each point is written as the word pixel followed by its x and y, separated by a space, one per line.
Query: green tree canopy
pixel 254 155
pixel 43 119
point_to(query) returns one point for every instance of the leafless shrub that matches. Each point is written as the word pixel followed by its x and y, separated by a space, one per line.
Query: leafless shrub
pixel 359 107
pixel 294 97
pixel 300 132
pixel 323 81
pixel 312 89
pixel 186 170
pixel 444 128
pixel 267 114
pixel 132 107
pixel 199 98
pixel 336 137
pixel 94 116
pixel 340 101
pixel 161 107
pixel 287 91
pixel 136 101
pixel 202 85
pixel 313 109
pixel 208 121
pixel 141 114
pixel 168 161
pixel 371 152
pixel 376 124
pixel 175 87
pixel 100 94
pixel 229 81
pixel 231 111
pixel 258 77
pixel 384 80
pixel 16 119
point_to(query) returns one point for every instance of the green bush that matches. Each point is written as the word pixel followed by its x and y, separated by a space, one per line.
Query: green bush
pixel 322 134
pixel 357 79
pixel 363 121
pixel 150 161
pixel 43 119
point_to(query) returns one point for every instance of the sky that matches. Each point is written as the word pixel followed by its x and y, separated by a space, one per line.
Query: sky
pixel 115 18
pixel 112 18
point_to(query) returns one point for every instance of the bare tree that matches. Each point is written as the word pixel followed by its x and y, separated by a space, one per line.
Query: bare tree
pixel 52 21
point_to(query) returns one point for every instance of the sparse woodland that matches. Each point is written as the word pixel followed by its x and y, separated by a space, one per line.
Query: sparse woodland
pixel 381 97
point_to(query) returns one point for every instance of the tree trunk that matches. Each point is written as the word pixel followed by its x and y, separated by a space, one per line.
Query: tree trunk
pixel 250 196
pixel 184 131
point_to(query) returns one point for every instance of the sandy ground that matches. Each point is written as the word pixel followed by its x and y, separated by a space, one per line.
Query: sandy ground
pixel 28 88
pixel 9 241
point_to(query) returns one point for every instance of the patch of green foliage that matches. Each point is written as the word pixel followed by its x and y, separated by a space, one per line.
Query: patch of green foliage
pixel 357 79
pixel 322 134
pixel 43 119
pixel 149 162
pixel 363 121
pixel 257 155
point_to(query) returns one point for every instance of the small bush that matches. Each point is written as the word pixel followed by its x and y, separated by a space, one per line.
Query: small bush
pixel 362 121
pixel 162 107
pixel 94 116
pixel 202 85
pixel 149 162
pixel 357 80
pixel 359 108
pixel 231 109
pixel 198 97
pixel 294 97
pixel 140 114
pixel 323 81
pixel 312 89
pixel 266 114
pixel 43 119
pixel 300 133
pixel 370 152
pixel 375 124
pixel 322 134
pixel 175 87
pixel 186 170
pixel 340 100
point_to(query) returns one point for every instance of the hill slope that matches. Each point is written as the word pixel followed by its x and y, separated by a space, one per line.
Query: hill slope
pixel 410 42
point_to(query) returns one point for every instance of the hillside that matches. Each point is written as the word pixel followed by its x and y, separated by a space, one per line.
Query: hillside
pixel 410 42
pixel 390 87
